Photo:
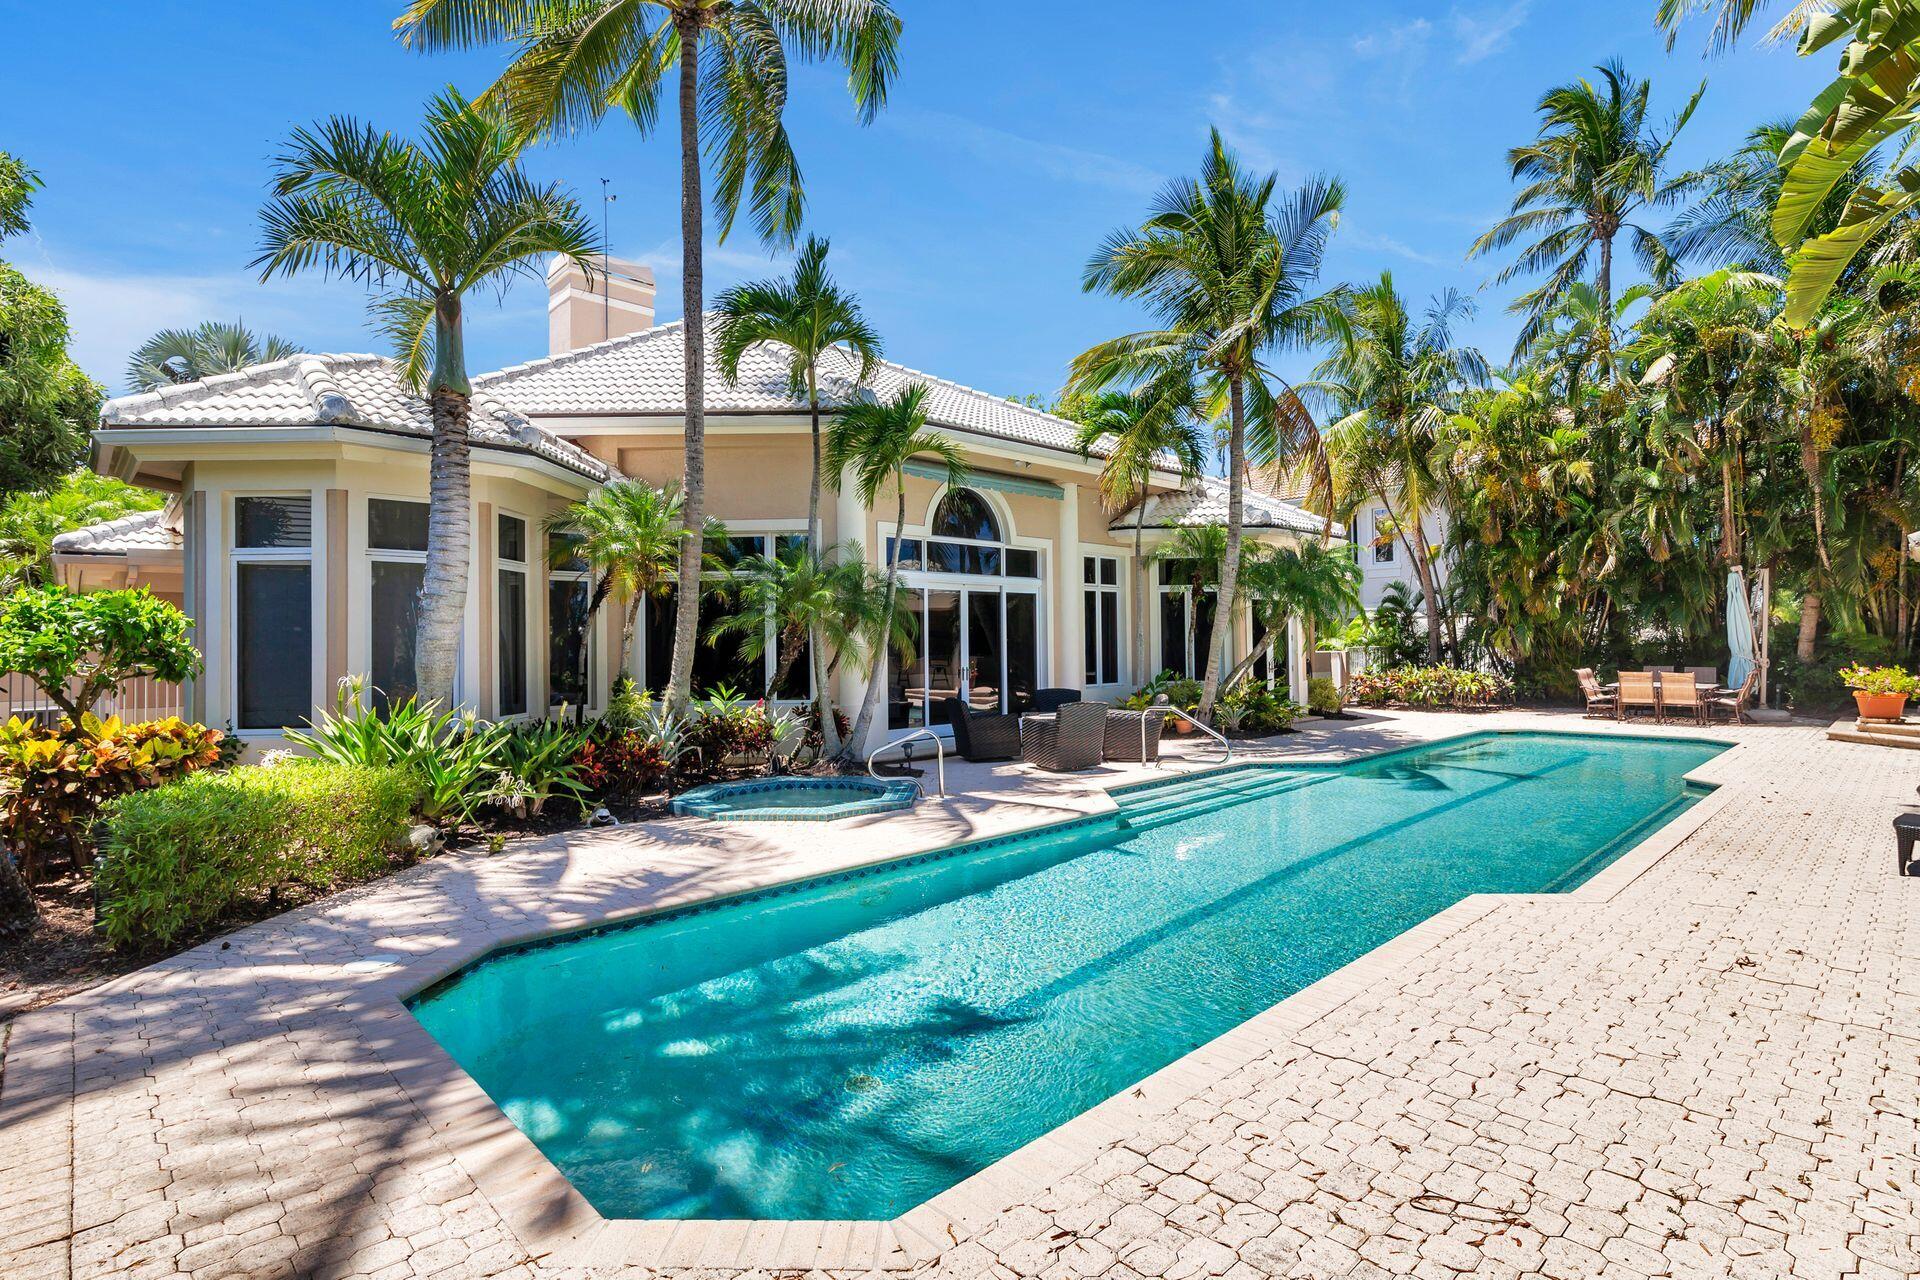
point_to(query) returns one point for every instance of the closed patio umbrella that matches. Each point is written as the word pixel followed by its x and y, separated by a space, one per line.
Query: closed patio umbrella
pixel 1739 631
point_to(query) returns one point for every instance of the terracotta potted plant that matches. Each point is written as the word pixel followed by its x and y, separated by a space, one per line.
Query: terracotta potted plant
pixel 1881 693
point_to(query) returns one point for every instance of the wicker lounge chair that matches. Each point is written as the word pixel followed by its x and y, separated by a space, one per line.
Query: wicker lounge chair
pixel 1734 705
pixel 1680 695
pixel 1134 736
pixel 1638 692
pixel 1600 702
pixel 982 738
pixel 1072 739
pixel 1050 700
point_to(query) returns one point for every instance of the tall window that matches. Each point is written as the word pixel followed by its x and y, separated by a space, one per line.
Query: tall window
pixel 569 644
pixel 1382 536
pixel 397 548
pixel 510 612
pixel 1186 620
pixel 273 611
pixel 1101 623
pixel 723 662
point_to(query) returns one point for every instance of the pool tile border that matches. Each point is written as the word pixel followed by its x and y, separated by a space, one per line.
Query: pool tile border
pixel 555 1222
pixel 893 795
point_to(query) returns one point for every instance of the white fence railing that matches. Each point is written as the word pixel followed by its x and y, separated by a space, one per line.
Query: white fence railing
pixel 143 698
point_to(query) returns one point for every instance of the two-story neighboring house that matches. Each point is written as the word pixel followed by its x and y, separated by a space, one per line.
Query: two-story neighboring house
pixel 295 531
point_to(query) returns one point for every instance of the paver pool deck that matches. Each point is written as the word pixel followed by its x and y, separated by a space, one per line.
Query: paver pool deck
pixel 1704 1063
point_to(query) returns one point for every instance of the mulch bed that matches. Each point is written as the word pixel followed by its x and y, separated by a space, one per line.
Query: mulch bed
pixel 62 955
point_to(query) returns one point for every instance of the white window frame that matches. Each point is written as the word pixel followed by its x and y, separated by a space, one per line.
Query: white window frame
pixel 237 556
pixel 589 640
pixel 524 568
pixel 384 555
pixel 1090 602
pixel 1383 549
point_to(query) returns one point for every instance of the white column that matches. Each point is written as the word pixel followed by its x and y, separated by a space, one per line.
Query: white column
pixel 1069 668
pixel 1297 670
pixel 851 685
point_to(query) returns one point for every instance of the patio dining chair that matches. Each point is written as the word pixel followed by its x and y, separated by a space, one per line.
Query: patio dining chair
pixel 1638 692
pixel 1705 677
pixel 1734 705
pixel 1680 695
pixel 1600 703
pixel 981 738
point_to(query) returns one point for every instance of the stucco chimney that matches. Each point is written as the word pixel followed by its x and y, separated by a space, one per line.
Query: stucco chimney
pixel 617 299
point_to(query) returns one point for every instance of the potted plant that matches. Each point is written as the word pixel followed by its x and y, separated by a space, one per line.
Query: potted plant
pixel 1881 693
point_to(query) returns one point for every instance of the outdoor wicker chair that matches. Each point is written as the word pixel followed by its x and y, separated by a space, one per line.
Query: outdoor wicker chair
pixel 1600 702
pixel 1680 695
pixel 1734 705
pixel 1051 700
pixel 1068 741
pixel 981 738
pixel 1708 677
pixel 1134 736
pixel 1638 692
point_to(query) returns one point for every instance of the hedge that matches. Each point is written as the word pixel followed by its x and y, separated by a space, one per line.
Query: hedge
pixel 1430 687
pixel 178 859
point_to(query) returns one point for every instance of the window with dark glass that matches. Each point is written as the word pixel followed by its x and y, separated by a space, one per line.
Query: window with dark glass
pixel 1382 536
pixel 1100 622
pixel 394 612
pixel 273 523
pixel 394 525
pixel 1022 563
pixel 965 514
pixel 510 612
pixel 274 637
pixel 567 651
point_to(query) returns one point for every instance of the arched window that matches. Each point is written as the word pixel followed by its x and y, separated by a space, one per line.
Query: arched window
pixel 965 514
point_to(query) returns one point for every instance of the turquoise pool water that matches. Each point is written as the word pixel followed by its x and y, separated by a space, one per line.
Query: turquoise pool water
pixel 852 1046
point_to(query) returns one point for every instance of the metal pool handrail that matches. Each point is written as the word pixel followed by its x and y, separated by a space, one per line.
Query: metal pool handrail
pixel 1226 747
pixel 939 755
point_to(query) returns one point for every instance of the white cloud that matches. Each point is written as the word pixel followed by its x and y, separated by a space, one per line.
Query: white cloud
pixel 1409 38
pixel 1356 238
pixel 1482 33
pixel 1049 159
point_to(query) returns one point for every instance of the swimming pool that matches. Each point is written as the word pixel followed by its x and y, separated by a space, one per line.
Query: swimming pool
pixel 850 1046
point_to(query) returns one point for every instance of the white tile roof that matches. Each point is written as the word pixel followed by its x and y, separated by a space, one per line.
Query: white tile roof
pixel 645 373
pixel 334 390
pixel 1206 503
pixel 141 531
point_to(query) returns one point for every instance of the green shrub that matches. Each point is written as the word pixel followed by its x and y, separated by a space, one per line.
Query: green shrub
pixel 539 761
pixel 1252 710
pixel 457 758
pixel 1431 687
pixel 1323 696
pixel 178 859
pixel 53 781
pixel 728 725
pixel 1179 691
pixel 1866 679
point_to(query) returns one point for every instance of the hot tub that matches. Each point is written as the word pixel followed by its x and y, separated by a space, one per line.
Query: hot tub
pixel 798 799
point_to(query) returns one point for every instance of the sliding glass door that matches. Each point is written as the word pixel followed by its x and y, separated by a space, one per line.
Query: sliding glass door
pixel 980 645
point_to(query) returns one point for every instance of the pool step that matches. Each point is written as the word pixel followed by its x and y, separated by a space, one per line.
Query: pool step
pixel 1190 799
pixel 1878 733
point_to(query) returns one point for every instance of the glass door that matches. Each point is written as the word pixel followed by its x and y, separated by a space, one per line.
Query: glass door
pixel 940 644
pixel 978 644
pixel 985 654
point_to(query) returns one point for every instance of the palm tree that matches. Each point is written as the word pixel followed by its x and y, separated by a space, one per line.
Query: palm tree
pixel 631 533
pixel 1139 435
pixel 1394 381
pixel 828 600
pixel 582 59
pixel 173 356
pixel 1595 166
pixel 1732 17
pixel 29 521
pixel 868 446
pixel 1229 273
pixel 423 224
pixel 1318 583
pixel 809 315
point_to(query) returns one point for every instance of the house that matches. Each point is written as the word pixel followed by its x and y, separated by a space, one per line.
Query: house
pixel 295 530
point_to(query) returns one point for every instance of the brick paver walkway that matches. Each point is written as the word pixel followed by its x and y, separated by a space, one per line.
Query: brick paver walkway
pixel 1715 1072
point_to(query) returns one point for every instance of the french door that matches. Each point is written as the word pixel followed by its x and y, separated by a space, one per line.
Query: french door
pixel 978 644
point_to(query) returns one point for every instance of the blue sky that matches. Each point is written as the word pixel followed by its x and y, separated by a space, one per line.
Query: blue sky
pixel 1019 135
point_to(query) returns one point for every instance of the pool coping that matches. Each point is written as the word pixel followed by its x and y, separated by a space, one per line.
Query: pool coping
pixel 557 1224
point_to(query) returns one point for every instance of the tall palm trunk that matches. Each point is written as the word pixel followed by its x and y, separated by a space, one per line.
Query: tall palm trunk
pixel 822 695
pixel 830 745
pixel 882 649
pixel 443 583
pixel 628 623
pixel 1810 467
pixel 785 655
pixel 1809 626
pixel 813 490
pixel 686 614
pixel 1729 536
pixel 1230 571
pixel 1604 339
